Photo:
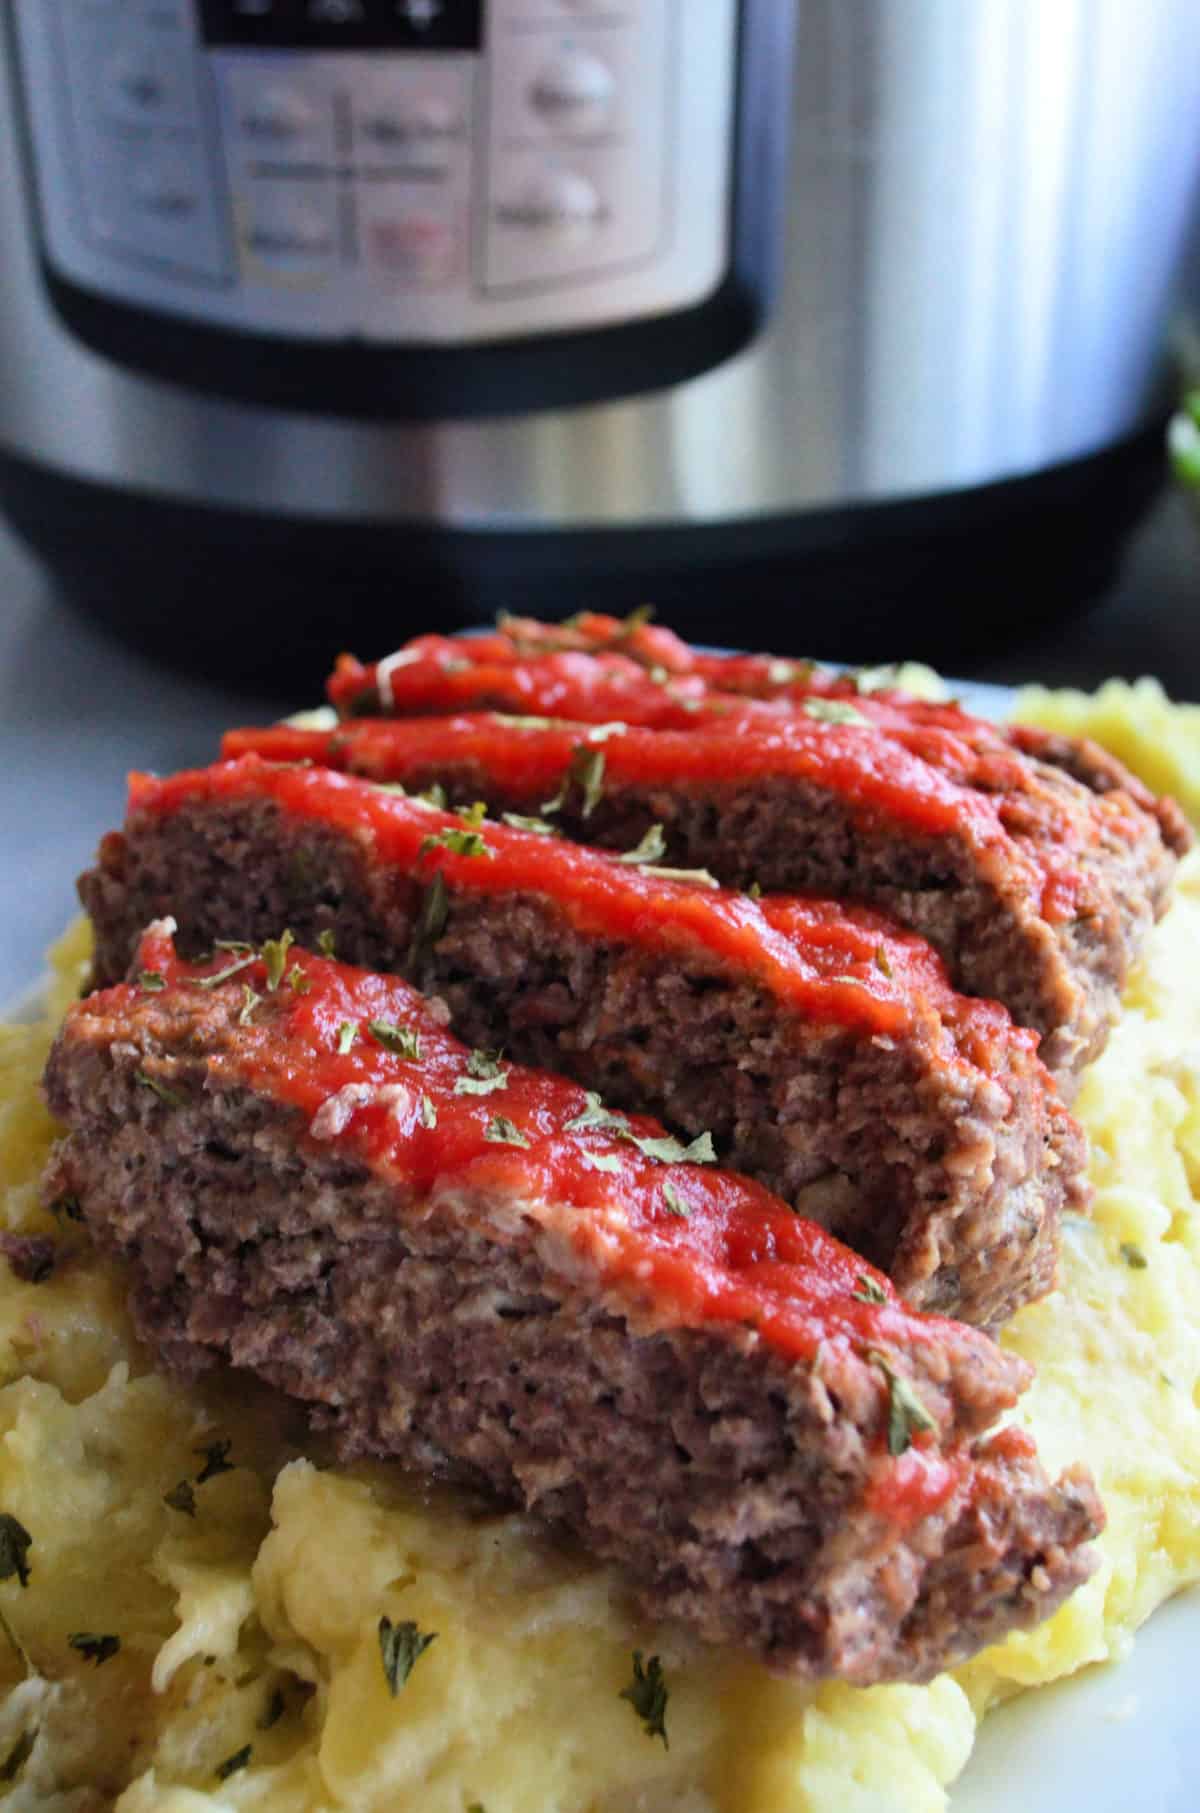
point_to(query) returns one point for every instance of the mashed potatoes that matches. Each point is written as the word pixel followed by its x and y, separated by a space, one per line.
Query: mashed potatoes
pixel 245 1580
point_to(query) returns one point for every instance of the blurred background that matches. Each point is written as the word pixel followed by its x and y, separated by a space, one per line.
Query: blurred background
pixel 842 327
pixel 848 326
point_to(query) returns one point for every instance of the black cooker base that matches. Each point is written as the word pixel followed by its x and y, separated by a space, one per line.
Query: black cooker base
pixel 266 602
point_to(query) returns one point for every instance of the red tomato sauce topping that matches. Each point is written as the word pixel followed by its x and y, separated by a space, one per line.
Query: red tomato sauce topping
pixel 833 963
pixel 546 671
pixel 884 779
pixel 685 1243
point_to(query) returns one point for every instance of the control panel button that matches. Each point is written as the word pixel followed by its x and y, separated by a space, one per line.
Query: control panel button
pixel 411 122
pixel 140 87
pixel 334 12
pixel 288 231
pixel 165 195
pixel 559 199
pixel 574 91
pixel 422 15
pixel 410 249
pixel 411 117
pixel 147 198
pixel 277 116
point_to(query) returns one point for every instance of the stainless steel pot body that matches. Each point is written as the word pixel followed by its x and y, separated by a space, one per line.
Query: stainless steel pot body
pixel 988 244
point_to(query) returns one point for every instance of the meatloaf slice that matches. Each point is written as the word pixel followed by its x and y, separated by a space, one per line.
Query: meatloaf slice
pixel 482 1273
pixel 780 680
pixel 822 1049
pixel 1036 890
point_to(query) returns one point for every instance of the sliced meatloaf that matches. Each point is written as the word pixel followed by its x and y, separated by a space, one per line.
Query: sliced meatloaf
pixel 483 1273
pixel 1035 889
pixel 777 679
pixel 823 1050
pixel 586 668
pixel 433 677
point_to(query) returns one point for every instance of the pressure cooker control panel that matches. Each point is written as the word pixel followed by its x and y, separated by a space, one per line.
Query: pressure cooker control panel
pixel 400 171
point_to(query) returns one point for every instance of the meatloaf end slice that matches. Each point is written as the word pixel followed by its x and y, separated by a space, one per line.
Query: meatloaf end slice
pixel 508 1290
pixel 822 1049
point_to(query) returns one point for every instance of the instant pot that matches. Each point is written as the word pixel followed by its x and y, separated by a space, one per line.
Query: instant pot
pixel 845 325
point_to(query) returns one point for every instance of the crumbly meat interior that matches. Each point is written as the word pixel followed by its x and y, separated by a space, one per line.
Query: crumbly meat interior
pixel 727 1482
pixel 949 1179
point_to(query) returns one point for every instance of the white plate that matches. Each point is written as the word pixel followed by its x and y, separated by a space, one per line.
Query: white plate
pixel 1118 1739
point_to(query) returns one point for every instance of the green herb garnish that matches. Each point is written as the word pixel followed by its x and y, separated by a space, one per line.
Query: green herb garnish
pixel 587 769
pixel 600 1161
pixel 275 1708
pixel 151 981
pixel 216 1460
pixel 1133 1256
pixel 647 1694
pixel 907 1415
pixel 274 955
pixel 15 1544
pixel 459 843
pixel 250 1001
pixel 165 1094
pixel 645 613
pixel 699 878
pixel 325 942
pixel 485 1073
pixel 538 826
pixel 400 1039
pixel 428 1112
pixel 431 920
pixel 18 1756
pixel 876 679
pixel 347 1033
pixel 596 1115
pixel 833 711
pixel 233 1763
pixel 652 846
pixel 675 1203
pixel 883 962
pixel 503 1132
pixel 94 1649
pixel 401 1647
pixel 224 975
pixel 868 1290
pixel 670 1151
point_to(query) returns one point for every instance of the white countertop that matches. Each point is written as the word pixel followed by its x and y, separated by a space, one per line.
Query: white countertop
pixel 77 712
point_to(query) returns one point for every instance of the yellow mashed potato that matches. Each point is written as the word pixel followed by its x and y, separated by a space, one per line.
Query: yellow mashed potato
pixel 249 1672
